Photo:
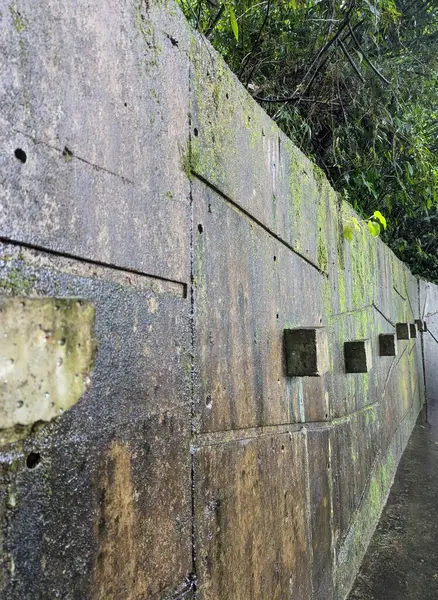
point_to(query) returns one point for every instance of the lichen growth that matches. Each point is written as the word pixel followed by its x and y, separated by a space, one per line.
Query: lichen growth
pixel 213 152
pixel 294 185
pixel 17 19
pixel 146 32
pixel 16 282
pixel 341 290
pixel 185 161
pixel 322 249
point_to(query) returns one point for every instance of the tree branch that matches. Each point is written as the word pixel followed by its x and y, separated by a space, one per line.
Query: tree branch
pixel 256 43
pixel 351 61
pixel 215 21
pixel 359 47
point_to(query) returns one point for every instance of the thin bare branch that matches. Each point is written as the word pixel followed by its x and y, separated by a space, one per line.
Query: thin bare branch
pixel 359 47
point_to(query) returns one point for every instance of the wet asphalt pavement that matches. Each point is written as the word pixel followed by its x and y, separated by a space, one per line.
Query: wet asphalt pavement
pixel 402 560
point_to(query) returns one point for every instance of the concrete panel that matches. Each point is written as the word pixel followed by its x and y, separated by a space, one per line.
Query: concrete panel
pixel 240 151
pixel 248 288
pixel 356 390
pixel 355 445
pixel 100 110
pixel 251 519
pixel 364 272
pixel 397 292
pixel 358 279
pixel 96 518
pixel 88 488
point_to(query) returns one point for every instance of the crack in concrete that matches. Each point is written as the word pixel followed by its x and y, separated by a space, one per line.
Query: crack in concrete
pixel 76 156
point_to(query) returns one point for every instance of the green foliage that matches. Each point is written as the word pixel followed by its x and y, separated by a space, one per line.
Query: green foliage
pixel 374 224
pixel 354 84
pixel 379 217
pixel 374 228
pixel 233 22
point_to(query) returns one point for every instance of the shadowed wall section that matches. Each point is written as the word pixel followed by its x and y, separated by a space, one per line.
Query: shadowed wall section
pixel 141 181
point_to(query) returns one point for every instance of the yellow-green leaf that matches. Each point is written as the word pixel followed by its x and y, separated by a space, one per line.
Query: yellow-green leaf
pixel 234 24
pixel 378 215
pixel 348 233
pixel 374 228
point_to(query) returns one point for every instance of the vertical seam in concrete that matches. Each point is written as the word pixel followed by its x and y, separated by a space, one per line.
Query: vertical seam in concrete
pixel 192 345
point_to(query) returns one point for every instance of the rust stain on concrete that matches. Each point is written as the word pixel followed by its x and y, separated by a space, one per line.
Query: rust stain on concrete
pixel 116 572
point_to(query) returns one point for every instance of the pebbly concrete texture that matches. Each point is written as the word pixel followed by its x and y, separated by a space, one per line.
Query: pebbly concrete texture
pixel 139 176
pixel 274 550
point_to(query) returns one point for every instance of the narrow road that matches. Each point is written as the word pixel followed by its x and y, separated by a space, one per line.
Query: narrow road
pixel 402 560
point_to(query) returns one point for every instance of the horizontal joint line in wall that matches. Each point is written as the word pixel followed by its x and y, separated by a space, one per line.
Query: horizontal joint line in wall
pixel 399 293
pixel 90 261
pixel 215 438
pixel 362 308
pixel 259 223
pixel 351 312
pixel 383 315
pixel 428 331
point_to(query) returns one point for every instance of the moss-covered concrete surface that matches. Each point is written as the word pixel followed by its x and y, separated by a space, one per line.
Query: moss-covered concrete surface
pixel 139 176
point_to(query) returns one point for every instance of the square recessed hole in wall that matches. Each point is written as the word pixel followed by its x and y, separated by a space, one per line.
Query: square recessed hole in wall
pixel 421 325
pixel 306 351
pixel 358 356
pixel 387 344
pixel 403 331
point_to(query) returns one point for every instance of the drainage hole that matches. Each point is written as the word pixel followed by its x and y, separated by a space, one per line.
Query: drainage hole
pixel 20 155
pixel 33 460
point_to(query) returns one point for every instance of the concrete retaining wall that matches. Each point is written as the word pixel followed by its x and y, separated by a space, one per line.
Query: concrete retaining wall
pixel 140 178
